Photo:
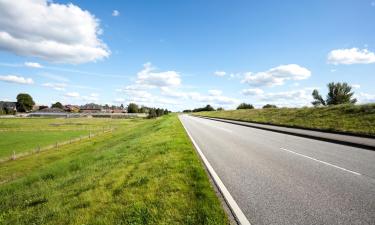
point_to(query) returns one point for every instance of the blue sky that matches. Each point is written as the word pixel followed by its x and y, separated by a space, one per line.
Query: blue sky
pixel 185 54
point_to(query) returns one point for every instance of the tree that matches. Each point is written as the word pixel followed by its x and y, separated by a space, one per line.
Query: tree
pixel 152 114
pixel 338 93
pixel 133 108
pixel 187 111
pixel 245 106
pixel 57 105
pixel 220 109
pixel 206 108
pixel 159 112
pixel 318 98
pixel 24 102
pixel 269 106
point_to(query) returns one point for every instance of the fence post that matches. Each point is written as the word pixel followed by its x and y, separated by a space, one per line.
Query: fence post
pixel 14 155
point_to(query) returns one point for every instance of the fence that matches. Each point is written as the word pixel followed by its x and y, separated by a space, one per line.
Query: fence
pixel 56 145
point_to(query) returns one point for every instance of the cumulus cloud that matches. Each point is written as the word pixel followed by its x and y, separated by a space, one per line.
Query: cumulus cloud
pixel 149 77
pixel 293 98
pixel 356 86
pixel 16 79
pixel 365 97
pixel 252 91
pixel 351 56
pixel 220 73
pixel 93 97
pixel 51 31
pixel 119 100
pixel 55 86
pixel 115 13
pixel 215 92
pixel 72 95
pixel 213 97
pixel 33 65
pixel 277 75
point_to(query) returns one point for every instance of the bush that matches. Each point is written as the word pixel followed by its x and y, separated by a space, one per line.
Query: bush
pixel 133 108
pixel 245 106
pixel 206 108
pixel 269 106
pixel 57 105
pixel 152 114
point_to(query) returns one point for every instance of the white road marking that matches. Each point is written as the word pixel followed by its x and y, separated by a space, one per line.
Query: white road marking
pixel 208 124
pixel 329 164
pixel 240 216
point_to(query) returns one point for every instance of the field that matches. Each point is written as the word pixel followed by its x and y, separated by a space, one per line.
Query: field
pixel 354 119
pixel 21 135
pixel 144 172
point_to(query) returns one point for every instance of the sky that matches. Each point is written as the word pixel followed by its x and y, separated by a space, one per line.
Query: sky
pixel 185 54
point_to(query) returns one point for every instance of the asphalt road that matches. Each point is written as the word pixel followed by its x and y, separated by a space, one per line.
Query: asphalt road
pixel 282 179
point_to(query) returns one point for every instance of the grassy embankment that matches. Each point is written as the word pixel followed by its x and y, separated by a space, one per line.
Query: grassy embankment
pixel 20 135
pixel 145 172
pixel 355 119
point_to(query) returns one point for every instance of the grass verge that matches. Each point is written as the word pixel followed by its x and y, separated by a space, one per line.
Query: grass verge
pixel 146 172
pixel 353 119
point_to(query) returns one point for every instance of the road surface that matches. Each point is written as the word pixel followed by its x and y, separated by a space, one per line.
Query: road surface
pixel 282 179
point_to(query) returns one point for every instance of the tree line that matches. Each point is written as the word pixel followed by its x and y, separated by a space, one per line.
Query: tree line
pixel 338 93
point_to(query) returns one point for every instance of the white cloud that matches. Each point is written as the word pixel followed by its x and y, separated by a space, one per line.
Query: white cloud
pixel 93 97
pixel 252 91
pixel 119 100
pixel 115 13
pixel 16 79
pixel 365 98
pixel 277 75
pixel 356 86
pixel 214 97
pixel 220 73
pixel 215 92
pixel 72 95
pixel 51 31
pixel 147 76
pixel 291 98
pixel 351 56
pixel 33 65
pixel 55 86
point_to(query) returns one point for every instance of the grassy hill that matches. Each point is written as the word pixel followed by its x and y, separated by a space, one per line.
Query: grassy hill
pixel 144 172
pixel 356 119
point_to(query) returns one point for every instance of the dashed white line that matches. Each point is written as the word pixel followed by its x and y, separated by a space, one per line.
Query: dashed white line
pixel 317 160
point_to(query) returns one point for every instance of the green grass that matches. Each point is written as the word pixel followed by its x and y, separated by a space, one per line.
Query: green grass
pixel 355 119
pixel 145 172
pixel 26 134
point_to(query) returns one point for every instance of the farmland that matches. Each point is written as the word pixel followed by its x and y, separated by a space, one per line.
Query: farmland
pixel 144 172
pixel 20 135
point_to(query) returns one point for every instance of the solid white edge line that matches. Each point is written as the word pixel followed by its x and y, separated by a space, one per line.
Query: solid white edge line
pixel 241 218
pixel 329 164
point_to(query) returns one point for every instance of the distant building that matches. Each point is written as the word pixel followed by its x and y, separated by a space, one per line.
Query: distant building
pixel 91 108
pixel 8 107
pixel 72 108
pixel 52 110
